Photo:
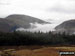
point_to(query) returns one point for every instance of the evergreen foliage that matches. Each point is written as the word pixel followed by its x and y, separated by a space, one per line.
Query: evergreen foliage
pixel 29 38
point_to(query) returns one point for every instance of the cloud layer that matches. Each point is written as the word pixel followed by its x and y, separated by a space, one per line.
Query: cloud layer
pixel 57 10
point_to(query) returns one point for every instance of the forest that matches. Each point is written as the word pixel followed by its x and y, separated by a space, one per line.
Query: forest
pixel 36 38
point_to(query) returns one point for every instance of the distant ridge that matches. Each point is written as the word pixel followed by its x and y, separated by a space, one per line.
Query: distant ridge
pixel 67 26
pixel 14 21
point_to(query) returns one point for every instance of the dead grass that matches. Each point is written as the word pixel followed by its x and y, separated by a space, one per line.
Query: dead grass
pixel 40 50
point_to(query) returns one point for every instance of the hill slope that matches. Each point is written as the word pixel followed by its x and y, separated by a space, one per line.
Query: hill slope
pixel 12 22
pixel 67 26
pixel 6 26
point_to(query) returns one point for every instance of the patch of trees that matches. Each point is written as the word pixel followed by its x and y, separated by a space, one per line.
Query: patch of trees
pixel 29 38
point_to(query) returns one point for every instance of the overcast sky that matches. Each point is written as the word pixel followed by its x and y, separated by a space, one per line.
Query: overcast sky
pixel 57 10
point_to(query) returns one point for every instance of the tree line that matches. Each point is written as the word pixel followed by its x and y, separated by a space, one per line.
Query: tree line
pixel 36 38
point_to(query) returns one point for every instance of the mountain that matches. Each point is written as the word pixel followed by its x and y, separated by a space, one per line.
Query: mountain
pixel 5 25
pixel 24 20
pixel 67 27
pixel 15 21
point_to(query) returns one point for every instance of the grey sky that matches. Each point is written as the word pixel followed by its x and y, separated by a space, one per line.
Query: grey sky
pixel 59 10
